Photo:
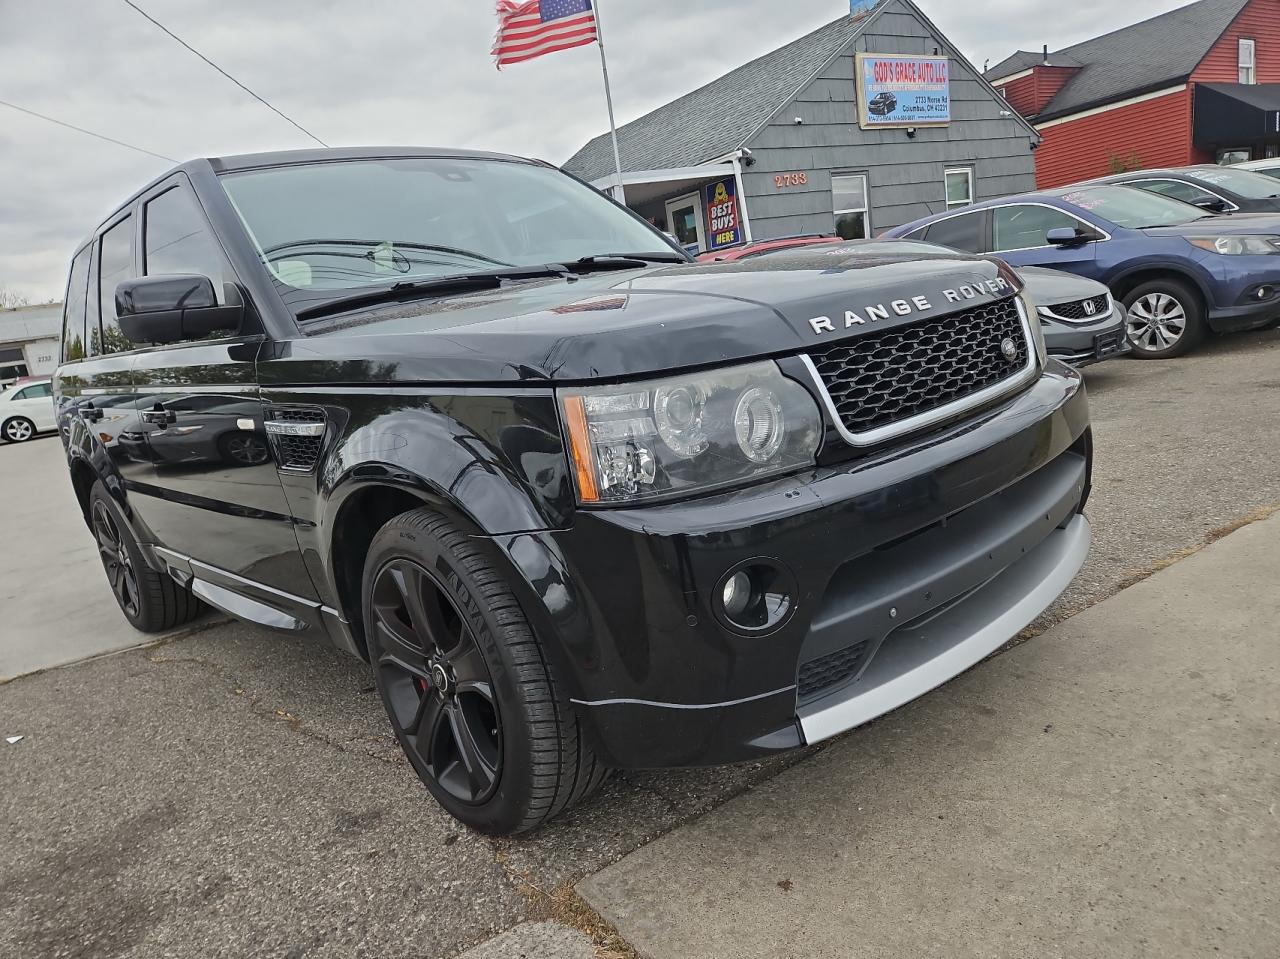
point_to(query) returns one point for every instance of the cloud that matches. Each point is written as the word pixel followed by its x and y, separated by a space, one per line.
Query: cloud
pixel 404 72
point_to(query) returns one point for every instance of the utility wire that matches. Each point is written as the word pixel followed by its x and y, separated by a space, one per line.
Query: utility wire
pixel 72 126
pixel 224 72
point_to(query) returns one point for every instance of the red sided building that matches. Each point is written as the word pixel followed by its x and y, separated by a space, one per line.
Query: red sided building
pixel 1200 84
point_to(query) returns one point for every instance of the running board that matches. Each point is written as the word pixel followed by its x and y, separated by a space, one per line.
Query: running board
pixel 241 607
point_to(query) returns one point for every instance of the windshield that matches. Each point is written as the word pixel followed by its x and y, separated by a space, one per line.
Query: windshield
pixel 1132 208
pixel 1253 186
pixel 326 229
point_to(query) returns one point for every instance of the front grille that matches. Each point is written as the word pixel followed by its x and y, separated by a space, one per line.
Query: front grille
pixel 1078 310
pixel 832 669
pixel 299 453
pixel 883 378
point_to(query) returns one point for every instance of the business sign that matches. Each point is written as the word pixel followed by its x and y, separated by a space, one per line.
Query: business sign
pixel 724 219
pixel 897 91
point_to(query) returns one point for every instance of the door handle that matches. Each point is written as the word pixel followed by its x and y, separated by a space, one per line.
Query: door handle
pixel 159 416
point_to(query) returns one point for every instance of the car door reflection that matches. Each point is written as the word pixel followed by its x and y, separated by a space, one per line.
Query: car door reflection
pixel 201 431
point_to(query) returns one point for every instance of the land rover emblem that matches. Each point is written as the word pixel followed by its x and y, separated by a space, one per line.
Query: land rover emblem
pixel 1009 349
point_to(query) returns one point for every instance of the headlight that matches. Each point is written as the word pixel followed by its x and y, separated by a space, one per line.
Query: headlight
pixel 1033 321
pixel 689 433
pixel 1238 245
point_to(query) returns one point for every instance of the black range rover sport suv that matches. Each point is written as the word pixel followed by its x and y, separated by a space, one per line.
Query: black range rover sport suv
pixel 581 503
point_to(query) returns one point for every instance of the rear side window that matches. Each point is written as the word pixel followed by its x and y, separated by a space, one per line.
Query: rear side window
pixel 962 232
pixel 1027 227
pixel 177 240
pixel 1176 189
pixel 36 392
pixel 115 256
pixel 73 311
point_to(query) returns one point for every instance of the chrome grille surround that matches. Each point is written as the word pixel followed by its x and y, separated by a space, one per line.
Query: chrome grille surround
pixel 1074 311
pixel 982 396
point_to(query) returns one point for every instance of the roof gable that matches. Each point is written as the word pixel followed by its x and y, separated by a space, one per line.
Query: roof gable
pixel 721 116
pixel 1135 59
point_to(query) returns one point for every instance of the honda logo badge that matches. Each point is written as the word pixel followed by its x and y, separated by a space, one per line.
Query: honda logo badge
pixel 1090 307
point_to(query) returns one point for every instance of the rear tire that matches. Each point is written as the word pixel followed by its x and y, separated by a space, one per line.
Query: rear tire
pixel 474 703
pixel 152 602
pixel 18 429
pixel 1164 318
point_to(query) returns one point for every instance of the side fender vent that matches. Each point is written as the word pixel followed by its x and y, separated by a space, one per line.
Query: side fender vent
pixel 297 435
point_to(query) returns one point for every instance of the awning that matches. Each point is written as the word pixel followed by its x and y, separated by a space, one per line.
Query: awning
pixel 1230 114
pixel 645 185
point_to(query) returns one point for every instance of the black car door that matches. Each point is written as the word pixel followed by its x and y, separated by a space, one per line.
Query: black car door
pixel 211 495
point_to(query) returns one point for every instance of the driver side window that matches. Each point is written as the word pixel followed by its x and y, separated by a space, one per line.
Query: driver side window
pixel 176 241
pixel 1027 227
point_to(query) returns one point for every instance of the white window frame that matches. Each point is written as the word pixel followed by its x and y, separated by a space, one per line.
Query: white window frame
pixel 865 209
pixel 693 199
pixel 968 175
pixel 1247 59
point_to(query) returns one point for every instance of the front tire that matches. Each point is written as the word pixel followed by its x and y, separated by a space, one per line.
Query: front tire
pixel 1164 318
pixel 19 429
pixel 150 601
pixel 474 703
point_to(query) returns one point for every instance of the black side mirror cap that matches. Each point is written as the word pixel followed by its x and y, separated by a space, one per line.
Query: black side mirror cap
pixel 170 309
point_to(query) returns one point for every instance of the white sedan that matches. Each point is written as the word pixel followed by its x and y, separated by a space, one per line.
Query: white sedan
pixel 25 410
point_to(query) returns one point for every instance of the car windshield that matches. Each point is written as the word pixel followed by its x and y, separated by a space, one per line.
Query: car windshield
pixel 1253 186
pixel 1134 209
pixel 324 230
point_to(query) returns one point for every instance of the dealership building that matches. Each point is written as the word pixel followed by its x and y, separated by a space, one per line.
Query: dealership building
pixel 860 126
pixel 1200 84
pixel 29 338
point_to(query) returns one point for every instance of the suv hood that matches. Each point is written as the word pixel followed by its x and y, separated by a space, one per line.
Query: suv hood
pixel 635 323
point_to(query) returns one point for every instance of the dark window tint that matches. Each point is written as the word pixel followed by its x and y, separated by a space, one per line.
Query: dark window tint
pixel 958 232
pixel 1027 227
pixel 73 311
pixel 177 240
pixel 115 265
pixel 1179 191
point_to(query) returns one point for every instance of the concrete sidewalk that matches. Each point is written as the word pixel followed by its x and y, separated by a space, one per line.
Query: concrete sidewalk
pixel 1112 789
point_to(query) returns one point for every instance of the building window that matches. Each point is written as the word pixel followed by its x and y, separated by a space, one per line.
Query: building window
pixel 849 199
pixel 959 188
pixel 1248 61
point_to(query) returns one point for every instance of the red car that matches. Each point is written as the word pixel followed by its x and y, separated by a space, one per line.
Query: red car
pixel 767 246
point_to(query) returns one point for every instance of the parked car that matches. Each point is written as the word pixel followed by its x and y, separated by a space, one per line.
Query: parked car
pixel 581 502
pixel 761 247
pixel 1217 189
pixel 1082 323
pixel 1180 271
pixel 26 410
pixel 1266 167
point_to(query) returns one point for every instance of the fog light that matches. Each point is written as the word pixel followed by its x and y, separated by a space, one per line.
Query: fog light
pixel 737 594
pixel 1264 292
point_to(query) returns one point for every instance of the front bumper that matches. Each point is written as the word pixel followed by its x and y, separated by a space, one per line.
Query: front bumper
pixel 1080 344
pixel 907 567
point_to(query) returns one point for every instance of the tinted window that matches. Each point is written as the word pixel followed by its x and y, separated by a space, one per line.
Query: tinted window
pixel 1246 183
pixel 1179 191
pixel 35 392
pixel 177 240
pixel 116 264
pixel 73 311
pixel 1026 227
pixel 962 232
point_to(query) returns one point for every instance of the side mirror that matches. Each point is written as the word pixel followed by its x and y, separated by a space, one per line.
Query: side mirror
pixel 170 309
pixel 1065 236
pixel 1212 204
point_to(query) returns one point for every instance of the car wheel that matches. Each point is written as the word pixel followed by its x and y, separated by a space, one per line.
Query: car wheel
pixel 1164 318
pixel 151 601
pixel 244 449
pixel 18 430
pixel 473 702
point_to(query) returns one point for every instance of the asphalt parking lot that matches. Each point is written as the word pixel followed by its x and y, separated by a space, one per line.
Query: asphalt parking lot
pixel 232 792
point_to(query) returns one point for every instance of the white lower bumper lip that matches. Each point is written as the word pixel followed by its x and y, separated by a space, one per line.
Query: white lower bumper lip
pixel 920 657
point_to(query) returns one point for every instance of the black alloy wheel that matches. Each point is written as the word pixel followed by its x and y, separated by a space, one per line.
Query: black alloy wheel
pixel 439 690
pixel 116 560
pixel 475 702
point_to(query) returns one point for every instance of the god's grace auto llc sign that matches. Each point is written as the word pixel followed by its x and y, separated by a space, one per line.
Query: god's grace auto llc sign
pixel 903 91
pixel 723 215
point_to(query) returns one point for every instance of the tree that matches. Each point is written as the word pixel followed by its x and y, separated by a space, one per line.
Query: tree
pixel 10 299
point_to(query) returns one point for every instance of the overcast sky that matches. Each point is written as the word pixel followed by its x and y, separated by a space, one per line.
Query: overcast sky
pixel 372 72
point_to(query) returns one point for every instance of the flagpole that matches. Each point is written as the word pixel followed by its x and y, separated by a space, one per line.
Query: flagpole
pixel 621 195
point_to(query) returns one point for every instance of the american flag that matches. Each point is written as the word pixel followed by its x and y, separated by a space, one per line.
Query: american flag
pixel 528 30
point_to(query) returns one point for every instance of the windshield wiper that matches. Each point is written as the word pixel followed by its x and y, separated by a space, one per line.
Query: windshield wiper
pixel 413 289
pixel 392 245
pixel 624 261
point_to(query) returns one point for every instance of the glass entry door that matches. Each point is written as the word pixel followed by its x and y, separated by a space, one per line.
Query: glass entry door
pixel 684 220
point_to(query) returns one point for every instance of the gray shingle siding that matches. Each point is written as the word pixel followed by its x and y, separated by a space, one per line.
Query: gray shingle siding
pixel 905 176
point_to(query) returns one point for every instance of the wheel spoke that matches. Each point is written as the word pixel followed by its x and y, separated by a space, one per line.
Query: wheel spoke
pixel 474 747
pixel 426 718
pixel 467 661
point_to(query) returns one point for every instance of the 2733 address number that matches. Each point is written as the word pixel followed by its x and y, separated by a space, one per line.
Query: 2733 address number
pixel 784 180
